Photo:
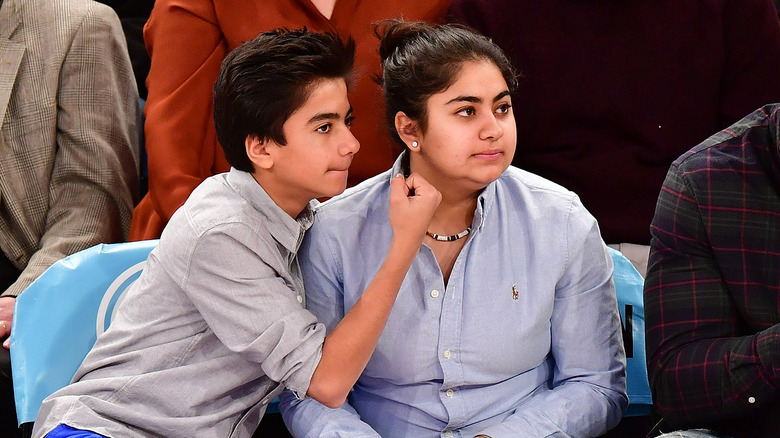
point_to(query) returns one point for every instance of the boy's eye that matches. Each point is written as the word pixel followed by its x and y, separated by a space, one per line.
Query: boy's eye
pixel 324 128
pixel 349 120
pixel 503 108
pixel 466 112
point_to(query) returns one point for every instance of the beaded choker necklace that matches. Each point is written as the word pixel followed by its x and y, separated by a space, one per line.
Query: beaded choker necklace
pixel 452 238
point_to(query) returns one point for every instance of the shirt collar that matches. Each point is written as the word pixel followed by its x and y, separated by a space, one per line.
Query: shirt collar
pixel 286 230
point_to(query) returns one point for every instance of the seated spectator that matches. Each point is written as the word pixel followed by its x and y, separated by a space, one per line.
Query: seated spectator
pixel 215 327
pixel 507 322
pixel 188 40
pixel 69 146
pixel 613 92
pixel 712 292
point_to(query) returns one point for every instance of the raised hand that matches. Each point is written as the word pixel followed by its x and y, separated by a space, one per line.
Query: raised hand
pixel 412 203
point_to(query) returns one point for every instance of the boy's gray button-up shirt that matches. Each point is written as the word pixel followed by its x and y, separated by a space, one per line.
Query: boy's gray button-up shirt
pixel 213 323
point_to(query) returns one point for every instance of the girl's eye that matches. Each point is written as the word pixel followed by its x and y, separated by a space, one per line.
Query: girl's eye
pixel 348 121
pixel 324 128
pixel 503 108
pixel 466 112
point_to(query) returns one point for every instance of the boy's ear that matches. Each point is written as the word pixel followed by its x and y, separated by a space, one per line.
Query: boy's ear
pixel 259 151
pixel 407 129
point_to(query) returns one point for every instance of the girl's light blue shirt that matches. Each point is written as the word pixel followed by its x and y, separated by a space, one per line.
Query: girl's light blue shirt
pixel 524 339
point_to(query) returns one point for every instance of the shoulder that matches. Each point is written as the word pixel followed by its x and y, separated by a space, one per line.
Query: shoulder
pixel 750 143
pixel 64 14
pixel 532 188
pixel 537 200
pixel 356 202
pixel 215 207
pixel 52 25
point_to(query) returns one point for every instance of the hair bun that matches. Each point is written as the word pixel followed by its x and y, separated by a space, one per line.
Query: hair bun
pixel 396 33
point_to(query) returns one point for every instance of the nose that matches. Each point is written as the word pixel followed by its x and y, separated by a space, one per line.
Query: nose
pixel 491 129
pixel 349 144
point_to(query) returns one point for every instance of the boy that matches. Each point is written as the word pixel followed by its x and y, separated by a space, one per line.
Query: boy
pixel 216 327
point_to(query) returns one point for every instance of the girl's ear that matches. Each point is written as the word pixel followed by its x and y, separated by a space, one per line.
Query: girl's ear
pixel 260 152
pixel 408 130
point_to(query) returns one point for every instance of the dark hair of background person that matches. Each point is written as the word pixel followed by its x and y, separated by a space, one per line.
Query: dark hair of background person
pixel 258 87
pixel 421 59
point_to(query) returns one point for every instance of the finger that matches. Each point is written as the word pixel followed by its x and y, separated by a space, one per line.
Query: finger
pixel 7 343
pixel 411 185
pixel 417 185
pixel 398 188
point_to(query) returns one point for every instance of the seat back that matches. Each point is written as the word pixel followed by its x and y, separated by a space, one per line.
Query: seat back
pixel 629 286
pixel 59 316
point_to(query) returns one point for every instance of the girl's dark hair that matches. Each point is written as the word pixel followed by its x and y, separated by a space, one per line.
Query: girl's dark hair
pixel 265 80
pixel 421 59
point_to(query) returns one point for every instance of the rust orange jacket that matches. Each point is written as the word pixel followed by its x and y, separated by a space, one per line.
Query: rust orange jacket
pixel 187 40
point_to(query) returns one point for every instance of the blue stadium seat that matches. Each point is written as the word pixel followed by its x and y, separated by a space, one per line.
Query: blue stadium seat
pixel 629 286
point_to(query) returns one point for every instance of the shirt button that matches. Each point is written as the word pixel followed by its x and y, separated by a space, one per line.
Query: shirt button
pixel 450 393
pixel 300 299
pixel 448 433
pixel 447 354
pixel 435 293
pixel 751 400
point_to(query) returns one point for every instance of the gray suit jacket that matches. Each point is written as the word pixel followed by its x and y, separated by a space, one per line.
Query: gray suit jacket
pixel 69 136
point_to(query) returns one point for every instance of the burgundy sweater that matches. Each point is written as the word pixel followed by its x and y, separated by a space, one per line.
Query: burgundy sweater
pixel 612 91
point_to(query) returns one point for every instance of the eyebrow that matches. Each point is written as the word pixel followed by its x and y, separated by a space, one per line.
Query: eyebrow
pixel 474 99
pixel 329 116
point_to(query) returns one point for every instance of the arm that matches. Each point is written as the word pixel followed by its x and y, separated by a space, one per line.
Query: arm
pixel 250 308
pixel 588 379
pixel 95 172
pixel 308 418
pixel 693 327
pixel 180 140
pixel 325 299
pixel 349 346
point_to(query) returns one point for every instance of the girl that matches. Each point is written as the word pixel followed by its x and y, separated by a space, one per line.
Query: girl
pixel 506 323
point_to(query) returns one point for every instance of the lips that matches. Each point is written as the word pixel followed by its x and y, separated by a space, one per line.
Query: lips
pixel 490 154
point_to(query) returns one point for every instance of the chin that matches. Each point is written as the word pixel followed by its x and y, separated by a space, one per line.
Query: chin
pixel 335 190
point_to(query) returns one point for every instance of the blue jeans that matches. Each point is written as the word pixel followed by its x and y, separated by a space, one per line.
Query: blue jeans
pixel 65 431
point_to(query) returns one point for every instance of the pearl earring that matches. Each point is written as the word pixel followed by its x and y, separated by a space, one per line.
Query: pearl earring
pixel 415 144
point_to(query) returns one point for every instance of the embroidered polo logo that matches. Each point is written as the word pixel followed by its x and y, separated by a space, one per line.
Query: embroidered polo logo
pixel 515 293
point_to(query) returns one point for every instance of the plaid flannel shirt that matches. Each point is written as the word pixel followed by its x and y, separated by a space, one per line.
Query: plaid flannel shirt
pixel 712 293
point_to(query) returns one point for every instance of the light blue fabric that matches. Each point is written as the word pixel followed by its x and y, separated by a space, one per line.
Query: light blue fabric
pixel 58 318
pixel 523 341
pixel 629 288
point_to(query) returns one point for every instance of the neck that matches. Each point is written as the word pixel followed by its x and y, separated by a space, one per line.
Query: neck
pixel 325 7
pixel 285 199
pixel 456 209
pixel 453 216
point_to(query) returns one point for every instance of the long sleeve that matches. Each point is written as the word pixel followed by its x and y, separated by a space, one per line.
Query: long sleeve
pixel 308 418
pixel 702 363
pixel 180 140
pixel 94 178
pixel 588 383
